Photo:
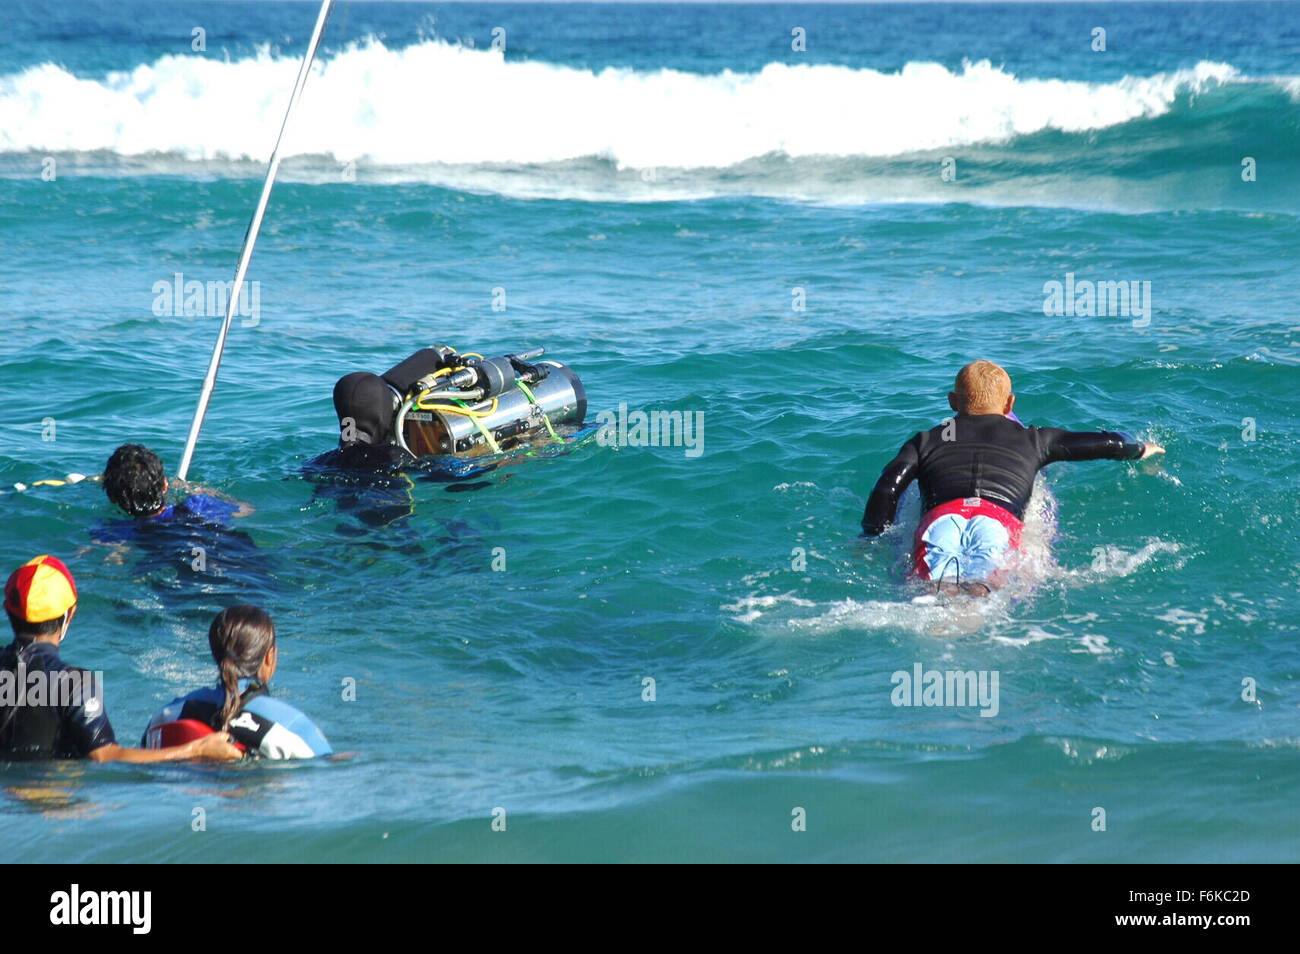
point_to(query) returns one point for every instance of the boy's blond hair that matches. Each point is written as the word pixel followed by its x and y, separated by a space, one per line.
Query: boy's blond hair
pixel 982 388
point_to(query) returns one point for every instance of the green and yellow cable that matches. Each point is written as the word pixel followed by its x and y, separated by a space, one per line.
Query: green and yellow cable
pixel 533 401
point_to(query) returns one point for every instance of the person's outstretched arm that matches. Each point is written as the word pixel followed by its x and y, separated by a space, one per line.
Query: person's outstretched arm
pixel 214 746
pixel 91 734
pixel 1059 444
pixel 226 504
pixel 882 505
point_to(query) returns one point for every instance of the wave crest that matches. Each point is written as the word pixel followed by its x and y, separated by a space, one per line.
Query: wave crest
pixel 434 102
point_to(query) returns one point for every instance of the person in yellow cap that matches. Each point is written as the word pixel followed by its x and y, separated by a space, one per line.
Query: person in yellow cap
pixel 49 709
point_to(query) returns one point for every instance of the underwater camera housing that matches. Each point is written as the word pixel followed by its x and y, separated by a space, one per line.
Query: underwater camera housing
pixel 466 404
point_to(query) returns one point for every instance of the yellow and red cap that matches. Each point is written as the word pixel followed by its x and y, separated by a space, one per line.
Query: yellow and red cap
pixel 41 589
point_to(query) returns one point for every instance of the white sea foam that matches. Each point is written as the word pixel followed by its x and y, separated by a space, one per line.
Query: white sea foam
pixel 1033 566
pixel 1094 644
pixel 434 102
pixel 1034 634
pixel 922 615
pixel 1185 620
pixel 931 618
pixel 749 608
pixel 1112 561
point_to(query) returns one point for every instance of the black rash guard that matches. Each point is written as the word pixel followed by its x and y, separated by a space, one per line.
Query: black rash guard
pixel 988 456
pixel 71 726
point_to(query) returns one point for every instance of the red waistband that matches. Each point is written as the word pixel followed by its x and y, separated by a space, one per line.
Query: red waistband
pixel 968 507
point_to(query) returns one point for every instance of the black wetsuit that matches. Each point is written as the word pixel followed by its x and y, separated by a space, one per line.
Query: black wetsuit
pixel 988 456
pixel 71 729
pixel 358 457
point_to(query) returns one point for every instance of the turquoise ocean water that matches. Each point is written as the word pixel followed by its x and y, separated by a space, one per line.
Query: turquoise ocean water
pixel 655 189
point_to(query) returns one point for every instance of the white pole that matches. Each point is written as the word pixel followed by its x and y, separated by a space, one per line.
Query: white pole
pixel 250 238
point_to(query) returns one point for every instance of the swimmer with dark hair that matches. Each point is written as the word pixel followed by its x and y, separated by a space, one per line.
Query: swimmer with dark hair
pixel 134 480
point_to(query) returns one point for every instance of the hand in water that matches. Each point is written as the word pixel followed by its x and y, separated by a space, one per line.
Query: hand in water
pixel 216 746
pixel 1150 450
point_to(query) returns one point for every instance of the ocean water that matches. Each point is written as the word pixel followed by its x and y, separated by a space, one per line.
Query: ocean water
pixel 697 218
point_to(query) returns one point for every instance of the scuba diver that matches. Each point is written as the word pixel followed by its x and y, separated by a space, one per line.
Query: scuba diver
pixel 444 416
pixel 242 641
pixel 976 473
pixel 68 719
pixel 440 402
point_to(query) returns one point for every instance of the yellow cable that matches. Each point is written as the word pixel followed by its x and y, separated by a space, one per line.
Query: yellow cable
pixel 452 409
pixel 532 399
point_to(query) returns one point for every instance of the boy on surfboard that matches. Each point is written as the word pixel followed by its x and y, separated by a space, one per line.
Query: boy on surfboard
pixel 976 472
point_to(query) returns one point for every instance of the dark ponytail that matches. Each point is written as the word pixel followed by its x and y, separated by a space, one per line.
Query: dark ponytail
pixel 240 637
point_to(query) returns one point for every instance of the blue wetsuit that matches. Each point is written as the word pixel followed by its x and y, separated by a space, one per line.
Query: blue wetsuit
pixel 196 509
pixel 205 507
pixel 192 546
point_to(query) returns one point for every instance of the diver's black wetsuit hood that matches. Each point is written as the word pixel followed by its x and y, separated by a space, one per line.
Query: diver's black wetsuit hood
pixel 364 403
pixel 369 401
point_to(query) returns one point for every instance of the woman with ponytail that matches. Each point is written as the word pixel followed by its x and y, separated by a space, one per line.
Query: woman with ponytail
pixel 242 640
